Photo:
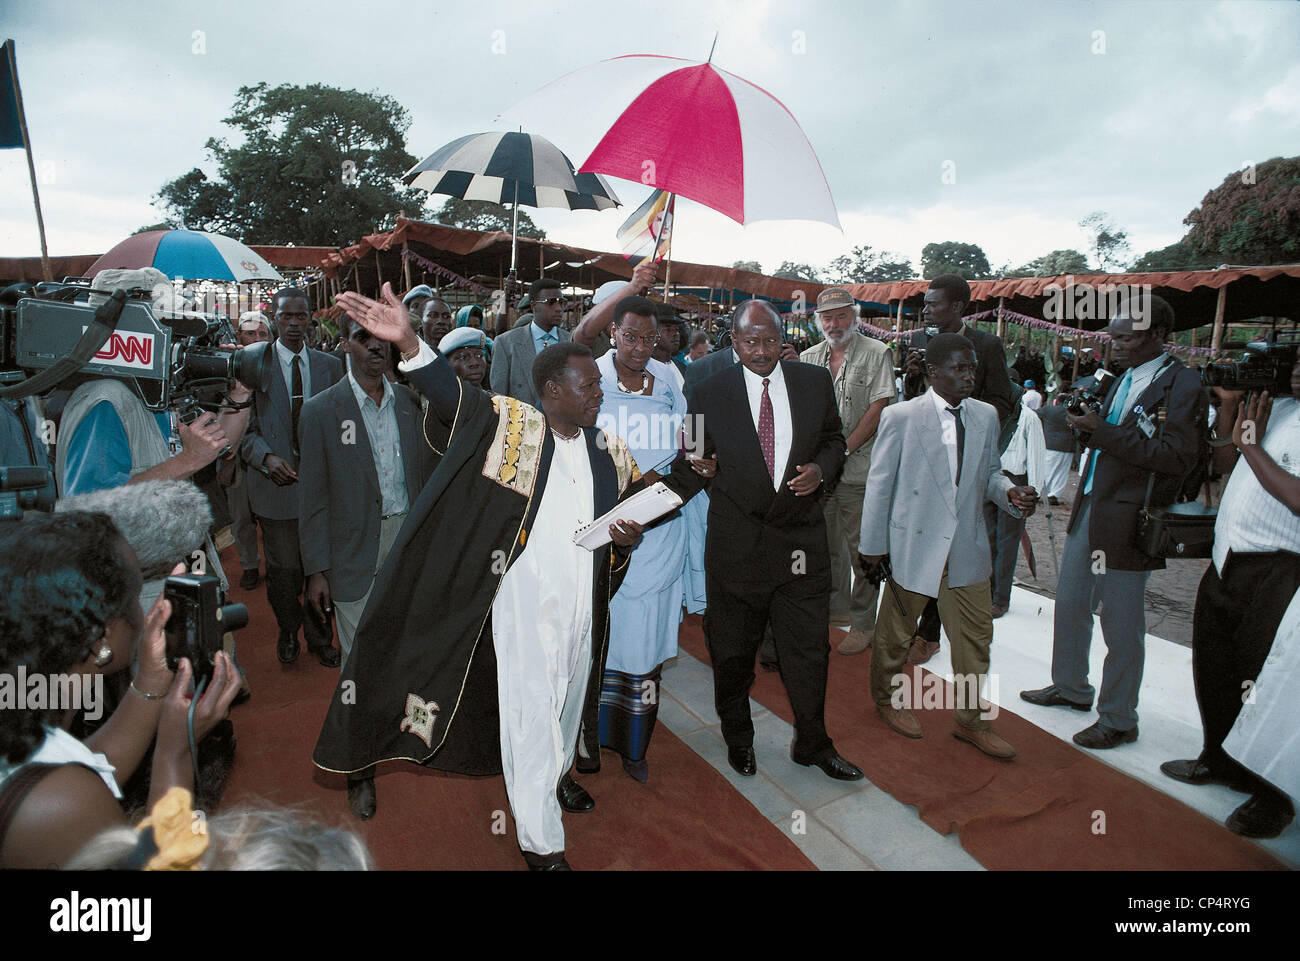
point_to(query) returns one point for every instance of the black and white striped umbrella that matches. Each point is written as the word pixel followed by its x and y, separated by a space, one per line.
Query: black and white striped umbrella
pixel 509 168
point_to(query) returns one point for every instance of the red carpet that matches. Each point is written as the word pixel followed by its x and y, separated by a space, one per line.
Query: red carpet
pixel 686 817
pixel 1034 813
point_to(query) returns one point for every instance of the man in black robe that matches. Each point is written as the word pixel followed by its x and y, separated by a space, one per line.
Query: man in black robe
pixel 423 683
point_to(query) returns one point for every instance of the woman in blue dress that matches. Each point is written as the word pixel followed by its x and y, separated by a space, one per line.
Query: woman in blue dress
pixel 644 406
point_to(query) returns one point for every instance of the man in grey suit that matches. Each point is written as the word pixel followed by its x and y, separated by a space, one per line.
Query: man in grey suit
pixel 271 450
pixel 364 462
pixel 934 464
pixel 514 351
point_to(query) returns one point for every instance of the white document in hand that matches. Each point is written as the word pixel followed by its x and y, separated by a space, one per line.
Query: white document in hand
pixel 642 507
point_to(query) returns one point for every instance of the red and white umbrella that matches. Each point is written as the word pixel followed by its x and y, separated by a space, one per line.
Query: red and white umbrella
pixel 692 129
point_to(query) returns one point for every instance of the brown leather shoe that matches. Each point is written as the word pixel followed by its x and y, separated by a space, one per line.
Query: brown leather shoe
pixel 856 641
pixel 986 741
pixel 904 721
pixel 921 650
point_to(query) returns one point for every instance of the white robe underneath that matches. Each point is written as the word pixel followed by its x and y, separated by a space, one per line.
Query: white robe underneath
pixel 541 630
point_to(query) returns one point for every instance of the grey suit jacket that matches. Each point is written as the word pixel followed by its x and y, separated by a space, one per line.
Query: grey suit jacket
pixel 270 431
pixel 698 371
pixel 909 511
pixel 338 526
pixel 513 354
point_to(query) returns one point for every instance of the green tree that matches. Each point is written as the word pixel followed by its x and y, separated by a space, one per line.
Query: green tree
pixel 753 266
pixel 317 165
pixel 485 215
pixel 1054 264
pixel 1109 244
pixel 866 266
pixel 1253 217
pixel 792 271
pixel 953 257
pixel 1179 256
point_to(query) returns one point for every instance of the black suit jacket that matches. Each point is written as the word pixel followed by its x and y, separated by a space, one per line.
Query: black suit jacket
pixel 749 521
pixel 992 382
pixel 1127 458
pixel 698 371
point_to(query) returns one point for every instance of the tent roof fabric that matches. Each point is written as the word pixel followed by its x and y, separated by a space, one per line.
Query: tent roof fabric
pixel 1254 291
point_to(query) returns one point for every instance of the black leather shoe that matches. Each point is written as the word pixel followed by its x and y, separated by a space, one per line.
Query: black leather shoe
pixel 573 797
pixel 834 766
pixel 1051 697
pixel 742 760
pixel 1100 738
pixel 361 798
pixel 249 579
pixel 546 862
pixel 328 656
pixel 1196 772
pixel 286 648
pixel 1261 817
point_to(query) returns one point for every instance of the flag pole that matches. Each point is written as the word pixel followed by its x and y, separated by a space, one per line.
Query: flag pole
pixel 46 270
pixel 664 222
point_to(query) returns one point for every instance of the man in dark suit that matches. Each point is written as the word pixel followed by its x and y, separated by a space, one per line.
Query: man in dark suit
pixel 271 450
pixel 364 461
pixel 698 371
pixel 1102 559
pixel 945 302
pixel 772 443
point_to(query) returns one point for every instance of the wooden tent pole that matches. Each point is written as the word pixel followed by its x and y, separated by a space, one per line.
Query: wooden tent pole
pixel 1216 342
pixel 379 275
pixel 406 271
pixel 1001 324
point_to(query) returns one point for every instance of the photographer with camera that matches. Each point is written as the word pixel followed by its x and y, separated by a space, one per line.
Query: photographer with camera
pixel 107 437
pixel 68 606
pixel 1102 556
pixel 1245 592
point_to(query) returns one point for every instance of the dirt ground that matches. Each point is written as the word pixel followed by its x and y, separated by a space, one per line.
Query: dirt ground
pixel 1171 593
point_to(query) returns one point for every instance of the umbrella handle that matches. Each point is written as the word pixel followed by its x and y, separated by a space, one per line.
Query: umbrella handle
pixel 514 231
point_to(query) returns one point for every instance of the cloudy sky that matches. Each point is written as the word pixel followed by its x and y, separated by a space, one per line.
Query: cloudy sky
pixel 1045 111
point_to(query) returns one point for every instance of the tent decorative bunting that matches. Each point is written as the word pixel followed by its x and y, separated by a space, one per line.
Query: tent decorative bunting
pixel 456 279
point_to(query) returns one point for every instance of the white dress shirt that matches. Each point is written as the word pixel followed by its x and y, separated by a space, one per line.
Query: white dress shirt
pixel 385 445
pixel 782 424
pixel 1026 452
pixel 286 356
pixel 948 435
pixel 1251 520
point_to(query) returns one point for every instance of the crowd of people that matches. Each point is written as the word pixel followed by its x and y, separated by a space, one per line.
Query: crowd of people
pixel 430 466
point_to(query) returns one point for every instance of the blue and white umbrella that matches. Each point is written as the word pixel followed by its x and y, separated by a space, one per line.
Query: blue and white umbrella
pixel 191 254
pixel 510 168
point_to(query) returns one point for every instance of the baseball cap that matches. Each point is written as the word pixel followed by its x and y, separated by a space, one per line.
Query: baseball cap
pixel 833 298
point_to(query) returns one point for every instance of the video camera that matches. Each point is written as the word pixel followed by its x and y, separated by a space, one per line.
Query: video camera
pixel 1079 402
pixel 1265 365
pixel 199 619
pixel 54 337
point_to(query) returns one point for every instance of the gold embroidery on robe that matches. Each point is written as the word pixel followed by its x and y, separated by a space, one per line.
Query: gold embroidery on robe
pixel 516 449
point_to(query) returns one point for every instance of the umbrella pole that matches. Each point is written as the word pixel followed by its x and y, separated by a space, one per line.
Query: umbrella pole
pixel 514 232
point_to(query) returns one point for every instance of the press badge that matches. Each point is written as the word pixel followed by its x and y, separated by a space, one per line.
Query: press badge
pixel 1144 423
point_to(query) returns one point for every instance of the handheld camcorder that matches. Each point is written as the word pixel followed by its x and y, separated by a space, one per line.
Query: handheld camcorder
pixel 1265 365
pixel 199 619
pixel 1093 398
pixel 51 335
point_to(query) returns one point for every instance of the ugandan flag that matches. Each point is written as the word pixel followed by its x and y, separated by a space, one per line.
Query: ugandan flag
pixel 650 223
pixel 11 131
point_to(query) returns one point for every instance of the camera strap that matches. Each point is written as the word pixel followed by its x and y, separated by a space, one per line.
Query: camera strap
pixel 100 328
pixel 1151 481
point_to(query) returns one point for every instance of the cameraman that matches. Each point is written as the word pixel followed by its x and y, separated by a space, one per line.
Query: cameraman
pixel 68 606
pixel 107 437
pixel 1102 559
pixel 1244 594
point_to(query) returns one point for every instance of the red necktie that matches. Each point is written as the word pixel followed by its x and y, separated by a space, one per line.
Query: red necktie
pixel 767 431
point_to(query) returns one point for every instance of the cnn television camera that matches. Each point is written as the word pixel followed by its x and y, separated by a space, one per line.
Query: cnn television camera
pixel 1265 365
pixel 51 336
